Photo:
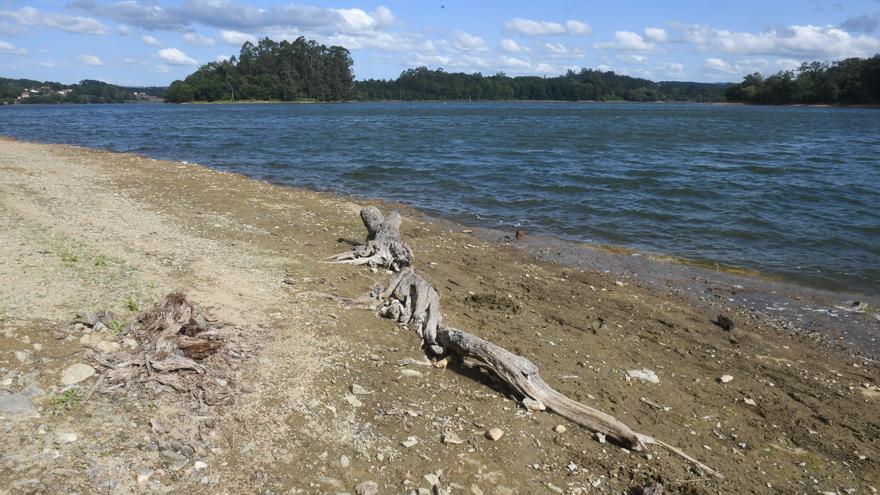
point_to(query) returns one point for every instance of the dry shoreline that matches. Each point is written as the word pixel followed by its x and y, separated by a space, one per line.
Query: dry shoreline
pixel 97 230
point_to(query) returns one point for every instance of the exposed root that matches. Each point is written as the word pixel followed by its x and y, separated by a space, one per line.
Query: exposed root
pixel 383 246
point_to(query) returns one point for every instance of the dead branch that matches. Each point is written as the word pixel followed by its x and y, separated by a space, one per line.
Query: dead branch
pixel 383 246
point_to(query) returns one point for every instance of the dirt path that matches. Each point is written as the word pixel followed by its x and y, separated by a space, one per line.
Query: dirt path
pixel 90 230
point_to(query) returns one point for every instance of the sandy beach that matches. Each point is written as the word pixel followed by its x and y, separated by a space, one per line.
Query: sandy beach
pixel 315 397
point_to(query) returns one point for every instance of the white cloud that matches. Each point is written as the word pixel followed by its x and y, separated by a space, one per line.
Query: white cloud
pixel 358 20
pixel 627 41
pixel 197 39
pixel 556 48
pixel 92 60
pixel 807 41
pixel 634 59
pixel 529 27
pixel 123 30
pixel 236 38
pixel 222 58
pixel 578 27
pixel 656 34
pixel 174 56
pixel 9 48
pixel 510 46
pixel 467 42
pixel 150 40
pixel 30 17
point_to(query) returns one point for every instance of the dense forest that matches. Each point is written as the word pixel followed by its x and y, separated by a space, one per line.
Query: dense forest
pixel 426 84
pixel 88 91
pixel 306 70
pixel 853 81
pixel 285 71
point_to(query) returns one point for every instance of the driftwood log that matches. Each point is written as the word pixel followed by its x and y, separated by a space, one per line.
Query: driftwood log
pixel 413 303
pixel 383 246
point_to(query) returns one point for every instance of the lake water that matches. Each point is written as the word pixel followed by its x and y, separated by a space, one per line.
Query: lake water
pixel 785 190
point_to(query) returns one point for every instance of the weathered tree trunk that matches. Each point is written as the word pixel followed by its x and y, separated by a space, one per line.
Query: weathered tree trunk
pixel 412 302
pixel 383 247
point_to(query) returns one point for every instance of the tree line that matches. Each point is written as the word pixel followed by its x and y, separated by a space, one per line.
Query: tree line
pixel 285 71
pixel 852 81
pixel 29 91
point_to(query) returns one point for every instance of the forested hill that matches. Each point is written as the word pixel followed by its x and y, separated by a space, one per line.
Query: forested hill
pixel 853 81
pixel 426 84
pixel 306 70
pixel 285 71
pixel 88 91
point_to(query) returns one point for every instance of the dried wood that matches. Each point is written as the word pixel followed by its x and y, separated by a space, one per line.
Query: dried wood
pixel 383 247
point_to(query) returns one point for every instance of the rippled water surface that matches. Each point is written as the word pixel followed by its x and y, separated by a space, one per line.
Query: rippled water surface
pixel 789 191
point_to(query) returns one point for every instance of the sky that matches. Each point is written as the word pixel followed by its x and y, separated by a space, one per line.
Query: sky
pixel 153 42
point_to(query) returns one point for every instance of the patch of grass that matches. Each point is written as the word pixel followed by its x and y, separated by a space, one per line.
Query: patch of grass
pixel 69 257
pixel 116 327
pixel 131 305
pixel 101 261
pixel 66 402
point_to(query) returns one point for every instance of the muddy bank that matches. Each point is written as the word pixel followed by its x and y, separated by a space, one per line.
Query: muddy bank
pixel 91 230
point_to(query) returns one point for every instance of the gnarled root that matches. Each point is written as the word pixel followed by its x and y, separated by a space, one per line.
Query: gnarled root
pixel 383 246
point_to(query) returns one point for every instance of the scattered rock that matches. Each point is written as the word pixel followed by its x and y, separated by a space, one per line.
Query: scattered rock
pixel 652 488
pixel 358 390
pixel 17 406
pixel 725 379
pixel 199 465
pixel 410 442
pixel 645 375
pixel 107 347
pixel 724 322
pixel 411 373
pixel 749 401
pixel 520 234
pixel 367 488
pixel 22 356
pixel 533 405
pixel 90 340
pixel 65 438
pixel 441 364
pixel 344 461
pixel 495 434
pixel 600 437
pixel 452 438
pixel 560 429
pixel 353 401
pixel 76 373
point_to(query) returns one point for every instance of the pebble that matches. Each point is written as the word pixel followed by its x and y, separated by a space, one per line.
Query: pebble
pixel 367 488
pixel 749 401
pixel 452 438
pixel 76 373
pixel 410 442
pixel 353 401
pixel 645 375
pixel 725 379
pixel 22 356
pixel 17 406
pixel 495 434
pixel 358 390
pixel 65 438
pixel 411 373
pixel 199 465
pixel 533 405
pixel 107 347
pixel 560 429
pixel 344 461
pixel 600 437
pixel 129 343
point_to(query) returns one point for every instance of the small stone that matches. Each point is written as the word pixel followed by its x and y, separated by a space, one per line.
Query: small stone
pixel 90 340
pixel 495 434
pixel 353 401
pixel 600 437
pixel 452 438
pixel 358 390
pixel 432 479
pixel 129 343
pixel 199 465
pixel 107 347
pixel 17 406
pixel 65 438
pixel 76 373
pixel 344 461
pixel 560 429
pixel 411 373
pixel 749 401
pixel 572 467
pixel 410 442
pixel 533 405
pixel 618 283
pixel 725 379
pixel 476 490
pixel 644 375
pixel 441 364
pixel 99 327
pixel 367 488
pixel 22 356
pixel 143 476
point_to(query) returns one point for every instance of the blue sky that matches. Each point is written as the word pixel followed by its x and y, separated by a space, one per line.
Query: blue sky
pixel 153 42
